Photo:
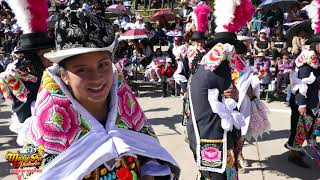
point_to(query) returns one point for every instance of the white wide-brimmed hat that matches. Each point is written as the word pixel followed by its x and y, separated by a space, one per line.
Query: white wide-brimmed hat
pixel 260 54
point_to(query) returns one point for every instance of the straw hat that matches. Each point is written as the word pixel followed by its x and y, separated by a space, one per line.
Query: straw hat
pixel 260 54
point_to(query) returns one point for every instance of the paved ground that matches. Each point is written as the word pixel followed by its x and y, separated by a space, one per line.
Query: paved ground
pixel 267 158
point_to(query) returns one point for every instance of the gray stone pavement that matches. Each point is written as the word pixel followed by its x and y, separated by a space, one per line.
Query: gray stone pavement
pixel 267 159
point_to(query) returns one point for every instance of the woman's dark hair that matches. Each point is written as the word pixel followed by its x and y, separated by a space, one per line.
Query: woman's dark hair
pixel 159 49
pixel 284 52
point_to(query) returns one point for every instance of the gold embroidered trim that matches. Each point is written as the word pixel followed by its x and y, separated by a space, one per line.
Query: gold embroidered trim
pixel 211 141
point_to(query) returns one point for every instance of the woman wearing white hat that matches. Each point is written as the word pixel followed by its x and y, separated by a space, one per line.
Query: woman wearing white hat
pixel 86 120
pixel 262 44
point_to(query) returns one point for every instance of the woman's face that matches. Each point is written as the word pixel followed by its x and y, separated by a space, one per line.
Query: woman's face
pixel 178 20
pixel 141 45
pixel 263 35
pixel 158 52
pixel 89 76
pixel 260 58
pixel 199 43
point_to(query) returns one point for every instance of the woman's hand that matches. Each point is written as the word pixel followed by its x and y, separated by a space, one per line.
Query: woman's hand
pixel 302 110
pixel 231 93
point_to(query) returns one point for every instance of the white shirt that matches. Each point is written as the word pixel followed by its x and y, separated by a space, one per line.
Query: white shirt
pixel 179 51
pixel 177 76
pixel 129 26
pixel 139 25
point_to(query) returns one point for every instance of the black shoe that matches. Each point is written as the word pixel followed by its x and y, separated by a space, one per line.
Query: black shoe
pixel 299 152
pixel 298 161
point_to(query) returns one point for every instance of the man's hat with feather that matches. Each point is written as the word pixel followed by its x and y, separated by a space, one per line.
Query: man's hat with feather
pixel 200 17
pixel 32 17
pixel 231 16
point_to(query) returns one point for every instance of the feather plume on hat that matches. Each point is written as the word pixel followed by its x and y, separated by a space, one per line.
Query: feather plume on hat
pixel 314 15
pixel 31 15
pixel 231 15
pixel 201 14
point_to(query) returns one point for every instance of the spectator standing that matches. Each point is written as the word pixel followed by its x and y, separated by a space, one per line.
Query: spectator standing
pixel 125 19
pixel 178 47
pixel 139 24
pixel 178 24
pixel 159 35
pixel 131 24
pixel 181 75
pixel 167 72
pixel 185 10
pixel 188 29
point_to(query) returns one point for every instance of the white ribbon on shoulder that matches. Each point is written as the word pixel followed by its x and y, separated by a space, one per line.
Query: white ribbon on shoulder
pixel 301 84
pixel 225 109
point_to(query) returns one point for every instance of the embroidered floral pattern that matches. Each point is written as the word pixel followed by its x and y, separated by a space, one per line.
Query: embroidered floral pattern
pixel 194 55
pixel 49 84
pixel 125 168
pixel 303 127
pixel 12 81
pixel 211 153
pixel 219 53
pixel 58 124
pixel 237 67
pixel 129 109
pixel 77 29
pixel 317 127
pixel 224 52
pixel 307 57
